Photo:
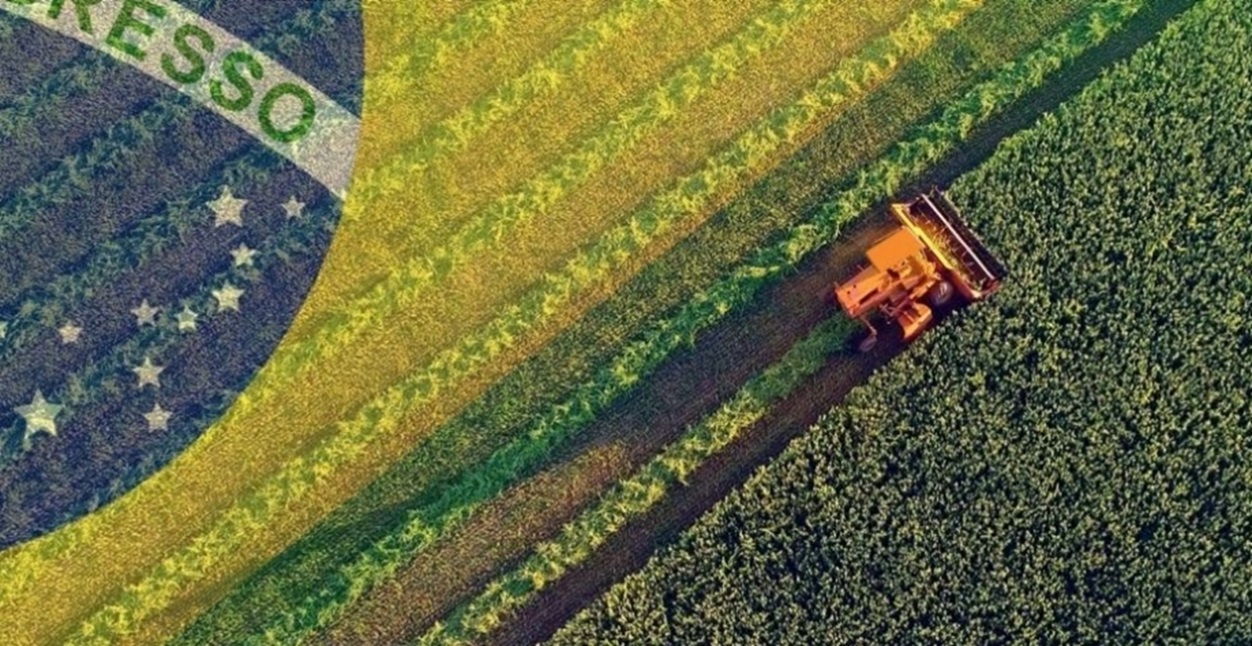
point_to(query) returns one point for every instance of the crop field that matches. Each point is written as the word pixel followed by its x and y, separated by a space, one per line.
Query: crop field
pixel 578 289
pixel 301 571
pixel 1041 469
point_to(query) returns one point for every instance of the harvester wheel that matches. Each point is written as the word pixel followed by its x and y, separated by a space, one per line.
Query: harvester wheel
pixel 867 343
pixel 940 294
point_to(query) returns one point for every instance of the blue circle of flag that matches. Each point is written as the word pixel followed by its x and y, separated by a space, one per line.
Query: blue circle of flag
pixel 152 253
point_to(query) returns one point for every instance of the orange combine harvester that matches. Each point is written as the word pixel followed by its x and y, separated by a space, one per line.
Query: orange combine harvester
pixel 931 257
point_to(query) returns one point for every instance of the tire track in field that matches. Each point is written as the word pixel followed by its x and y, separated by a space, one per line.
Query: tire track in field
pixel 503 530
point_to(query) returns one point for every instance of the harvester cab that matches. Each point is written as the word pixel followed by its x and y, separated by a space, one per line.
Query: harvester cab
pixel 920 265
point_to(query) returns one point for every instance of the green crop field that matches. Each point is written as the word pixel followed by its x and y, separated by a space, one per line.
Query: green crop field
pixel 1067 462
pixel 580 289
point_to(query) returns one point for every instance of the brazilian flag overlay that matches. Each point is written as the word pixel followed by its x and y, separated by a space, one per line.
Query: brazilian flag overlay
pixel 152 252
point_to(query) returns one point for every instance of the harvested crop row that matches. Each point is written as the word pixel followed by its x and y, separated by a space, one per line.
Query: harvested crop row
pixel 393 416
pixel 397 28
pixel 765 83
pixel 635 495
pixel 503 530
pixel 1072 464
pixel 388 176
pixel 342 322
pixel 608 91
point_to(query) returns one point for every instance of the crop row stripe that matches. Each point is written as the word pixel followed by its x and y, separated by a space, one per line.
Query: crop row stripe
pixel 101 376
pixel 319 136
pixel 75 172
pixel 382 415
pixel 156 232
pixel 408 284
pixel 455 132
pixel 395 79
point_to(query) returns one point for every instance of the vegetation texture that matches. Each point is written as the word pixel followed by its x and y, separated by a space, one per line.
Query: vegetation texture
pixel 299 592
pixel 1066 462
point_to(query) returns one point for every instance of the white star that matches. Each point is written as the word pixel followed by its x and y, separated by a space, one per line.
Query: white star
pixel 227 297
pixel 145 314
pixel 187 320
pixel 149 373
pixel 4 329
pixel 39 415
pixel 227 209
pixel 70 333
pixel 158 418
pixel 243 255
pixel 294 208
